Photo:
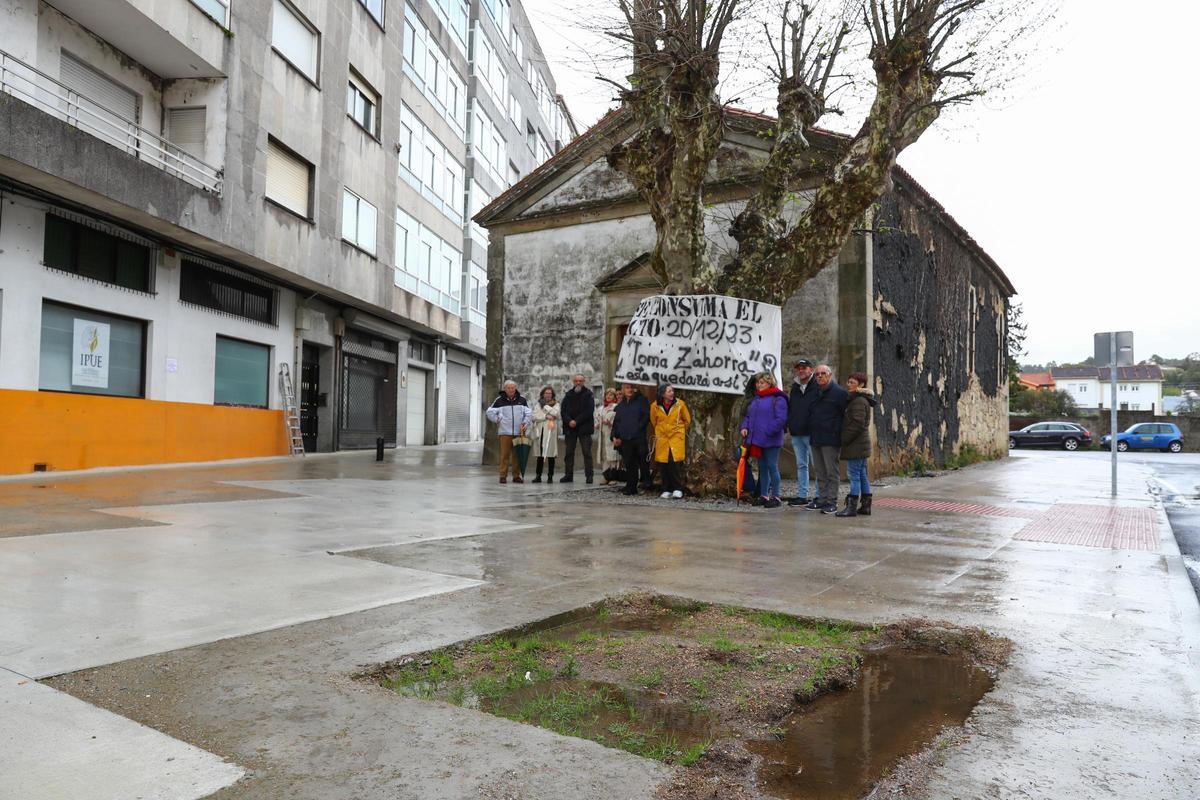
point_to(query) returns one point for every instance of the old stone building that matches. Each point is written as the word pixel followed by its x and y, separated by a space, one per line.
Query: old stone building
pixel 912 300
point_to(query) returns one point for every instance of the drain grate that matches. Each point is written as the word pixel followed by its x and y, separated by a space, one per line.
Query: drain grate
pixel 953 507
pixel 1095 526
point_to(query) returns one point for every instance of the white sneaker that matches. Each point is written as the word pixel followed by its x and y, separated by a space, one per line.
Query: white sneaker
pixel 665 495
pixel 678 495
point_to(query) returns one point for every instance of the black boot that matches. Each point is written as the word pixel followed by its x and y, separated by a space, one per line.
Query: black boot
pixel 864 505
pixel 537 478
pixel 549 470
pixel 851 509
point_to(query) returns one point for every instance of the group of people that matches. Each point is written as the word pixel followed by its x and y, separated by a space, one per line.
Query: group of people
pixel 825 421
pixel 621 450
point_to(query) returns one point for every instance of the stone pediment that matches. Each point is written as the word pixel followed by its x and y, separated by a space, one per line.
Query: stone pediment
pixel 636 275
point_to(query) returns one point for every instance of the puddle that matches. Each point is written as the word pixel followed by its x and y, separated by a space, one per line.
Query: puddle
pixel 841 744
pixel 674 680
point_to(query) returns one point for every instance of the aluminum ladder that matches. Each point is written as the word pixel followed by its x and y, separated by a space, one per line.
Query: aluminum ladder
pixel 291 420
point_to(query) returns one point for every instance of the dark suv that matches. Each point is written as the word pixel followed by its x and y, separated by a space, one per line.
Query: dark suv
pixel 1066 435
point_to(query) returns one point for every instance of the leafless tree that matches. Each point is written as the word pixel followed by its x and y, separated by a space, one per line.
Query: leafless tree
pixel 910 60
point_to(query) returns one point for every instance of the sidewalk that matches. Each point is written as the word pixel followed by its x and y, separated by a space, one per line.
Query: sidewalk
pixel 285 582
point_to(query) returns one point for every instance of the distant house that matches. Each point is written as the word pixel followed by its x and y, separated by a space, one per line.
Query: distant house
pixel 1036 380
pixel 1138 388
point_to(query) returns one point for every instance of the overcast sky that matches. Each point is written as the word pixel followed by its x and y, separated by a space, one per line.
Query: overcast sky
pixel 1082 187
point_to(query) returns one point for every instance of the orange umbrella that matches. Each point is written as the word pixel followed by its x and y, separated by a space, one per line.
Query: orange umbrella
pixel 741 473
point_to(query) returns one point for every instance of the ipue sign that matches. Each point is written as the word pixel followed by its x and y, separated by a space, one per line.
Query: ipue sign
pixel 707 341
pixel 89 365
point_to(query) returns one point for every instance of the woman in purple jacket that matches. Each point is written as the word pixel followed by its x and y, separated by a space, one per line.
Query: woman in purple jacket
pixel 762 428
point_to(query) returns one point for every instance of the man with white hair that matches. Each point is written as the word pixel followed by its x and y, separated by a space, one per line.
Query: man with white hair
pixel 511 413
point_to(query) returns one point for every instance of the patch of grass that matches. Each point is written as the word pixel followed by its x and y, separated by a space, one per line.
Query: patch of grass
pixel 561 711
pixel 699 687
pixel 649 681
pixel 823 634
pixel 692 754
pixel 588 636
pixel 569 669
pixel 721 644
pixel 967 455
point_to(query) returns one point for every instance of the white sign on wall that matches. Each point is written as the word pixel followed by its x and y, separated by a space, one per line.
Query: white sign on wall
pixel 90 354
pixel 707 342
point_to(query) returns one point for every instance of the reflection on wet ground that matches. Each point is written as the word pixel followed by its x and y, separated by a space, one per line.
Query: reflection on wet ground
pixel 72 502
pixel 841 744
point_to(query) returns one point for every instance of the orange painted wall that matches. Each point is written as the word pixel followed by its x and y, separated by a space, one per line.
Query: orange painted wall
pixel 77 431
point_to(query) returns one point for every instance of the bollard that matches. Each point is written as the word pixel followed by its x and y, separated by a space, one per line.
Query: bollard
pixel 379 449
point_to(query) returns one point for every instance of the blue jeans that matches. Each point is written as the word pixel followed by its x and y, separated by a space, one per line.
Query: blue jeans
pixel 768 472
pixel 856 469
pixel 800 446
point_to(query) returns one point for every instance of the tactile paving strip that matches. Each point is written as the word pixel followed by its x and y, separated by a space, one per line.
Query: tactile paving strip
pixel 1095 526
pixel 953 507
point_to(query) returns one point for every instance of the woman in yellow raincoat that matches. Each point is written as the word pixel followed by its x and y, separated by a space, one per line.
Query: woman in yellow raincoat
pixel 670 419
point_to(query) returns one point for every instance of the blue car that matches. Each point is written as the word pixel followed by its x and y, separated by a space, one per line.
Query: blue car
pixel 1164 436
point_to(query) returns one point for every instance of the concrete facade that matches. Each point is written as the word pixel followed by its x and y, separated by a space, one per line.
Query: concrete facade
pixel 911 300
pixel 420 62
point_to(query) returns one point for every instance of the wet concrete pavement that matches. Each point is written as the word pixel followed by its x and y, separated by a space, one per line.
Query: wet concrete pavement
pixel 425 549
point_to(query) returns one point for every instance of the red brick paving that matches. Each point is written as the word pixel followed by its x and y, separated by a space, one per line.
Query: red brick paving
pixel 953 507
pixel 1095 526
pixel 1063 523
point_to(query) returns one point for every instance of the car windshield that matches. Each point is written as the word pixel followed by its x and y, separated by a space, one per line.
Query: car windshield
pixel 1136 429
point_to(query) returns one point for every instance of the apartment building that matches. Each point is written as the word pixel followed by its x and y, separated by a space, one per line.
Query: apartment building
pixel 196 195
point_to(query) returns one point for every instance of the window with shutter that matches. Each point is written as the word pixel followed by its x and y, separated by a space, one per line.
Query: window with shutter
pixel 295 39
pixel 289 179
pixel 101 106
pixel 185 129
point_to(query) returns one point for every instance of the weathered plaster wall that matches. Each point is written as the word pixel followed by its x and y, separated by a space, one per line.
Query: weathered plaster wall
pixel 938 338
pixel 554 315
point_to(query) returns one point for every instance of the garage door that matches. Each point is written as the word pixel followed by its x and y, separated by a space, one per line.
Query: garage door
pixel 458 402
pixel 417 382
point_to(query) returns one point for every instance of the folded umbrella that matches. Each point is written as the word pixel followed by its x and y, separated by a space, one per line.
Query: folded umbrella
pixel 741 471
pixel 522 445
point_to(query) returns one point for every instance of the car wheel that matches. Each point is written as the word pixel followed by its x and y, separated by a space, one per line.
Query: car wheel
pixel 1122 446
pixel 1012 443
pixel 1175 447
pixel 1070 444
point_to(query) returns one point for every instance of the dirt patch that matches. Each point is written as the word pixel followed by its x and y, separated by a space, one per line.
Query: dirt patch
pixel 720 692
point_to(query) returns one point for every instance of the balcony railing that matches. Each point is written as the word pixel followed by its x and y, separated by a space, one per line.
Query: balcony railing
pixel 49 95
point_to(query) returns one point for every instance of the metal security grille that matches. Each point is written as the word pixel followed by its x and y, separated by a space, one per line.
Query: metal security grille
pixel 310 396
pixel 368 403
pixel 458 402
pixel 225 292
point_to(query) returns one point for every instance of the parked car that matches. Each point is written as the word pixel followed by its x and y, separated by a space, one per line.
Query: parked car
pixel 1067 435
pixel 1164 436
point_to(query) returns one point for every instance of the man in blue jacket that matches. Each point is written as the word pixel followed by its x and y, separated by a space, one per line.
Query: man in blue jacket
pixel 629 436
pixel 825 436
pixel 803 395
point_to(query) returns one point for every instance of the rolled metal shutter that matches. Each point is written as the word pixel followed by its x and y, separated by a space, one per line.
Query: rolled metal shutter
pixel 287 179
pixel 185 129
pixel 458 402
pixel 98 88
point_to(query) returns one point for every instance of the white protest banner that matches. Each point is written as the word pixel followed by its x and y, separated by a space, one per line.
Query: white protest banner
pixel 707 341
pixel 90 354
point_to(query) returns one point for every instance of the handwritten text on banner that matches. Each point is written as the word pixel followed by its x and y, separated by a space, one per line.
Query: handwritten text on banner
pixel 707 342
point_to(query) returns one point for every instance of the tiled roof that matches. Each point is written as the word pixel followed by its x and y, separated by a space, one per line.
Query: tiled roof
pixel 1037 378
pixel 1150 372
pixel 618 116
